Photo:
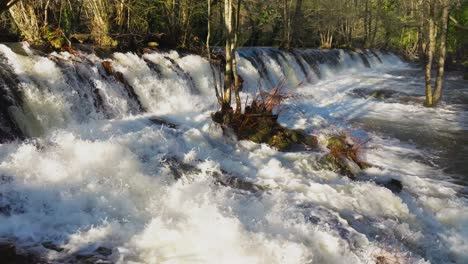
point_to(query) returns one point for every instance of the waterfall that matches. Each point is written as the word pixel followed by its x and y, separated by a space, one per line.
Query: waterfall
pixel 43 92
pixel 85 170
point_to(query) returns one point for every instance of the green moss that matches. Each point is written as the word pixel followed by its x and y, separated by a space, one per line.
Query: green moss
pixel 337 143
pixel 261 135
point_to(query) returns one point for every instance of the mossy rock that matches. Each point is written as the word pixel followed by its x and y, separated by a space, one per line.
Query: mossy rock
pixel 281 141
pixel 261 136
pixel 337 143
pixel 303 138
pixel 340 164
pixel 329 162
pixel 465 77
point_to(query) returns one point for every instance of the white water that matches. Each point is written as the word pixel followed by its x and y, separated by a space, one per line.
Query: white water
pixel 88 181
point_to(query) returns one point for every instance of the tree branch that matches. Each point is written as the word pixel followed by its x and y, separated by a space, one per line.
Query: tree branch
pixel 458 25
pixel 5 5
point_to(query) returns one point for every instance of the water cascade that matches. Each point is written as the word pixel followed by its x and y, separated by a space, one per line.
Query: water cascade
pixel 86 175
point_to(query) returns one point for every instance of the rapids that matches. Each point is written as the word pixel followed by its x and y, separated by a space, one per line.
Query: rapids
pixel 82 166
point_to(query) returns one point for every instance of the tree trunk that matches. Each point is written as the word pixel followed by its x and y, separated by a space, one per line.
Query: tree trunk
pixel 286 43
pixel 430 47
pixel 228 74
pixel 296 29
pixel 442 50
pixel 208 52
pixel 237 80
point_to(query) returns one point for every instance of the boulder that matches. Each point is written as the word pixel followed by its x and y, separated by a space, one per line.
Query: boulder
pixel 393 185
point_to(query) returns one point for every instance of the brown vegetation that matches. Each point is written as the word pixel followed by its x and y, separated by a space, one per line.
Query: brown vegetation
pixel 259 122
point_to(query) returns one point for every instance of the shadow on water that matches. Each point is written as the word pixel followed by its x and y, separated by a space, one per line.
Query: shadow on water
pixel 445 137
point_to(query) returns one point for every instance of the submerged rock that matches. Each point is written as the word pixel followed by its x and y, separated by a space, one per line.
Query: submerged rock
pixel 104 251
pixel 343 156
pixel 50 245
pixel 378 94
pixel 393 185
pixel 181 169
pixel 162 122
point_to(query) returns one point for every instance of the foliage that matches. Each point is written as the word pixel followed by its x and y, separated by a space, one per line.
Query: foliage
pixel 390 24
pixel 259 122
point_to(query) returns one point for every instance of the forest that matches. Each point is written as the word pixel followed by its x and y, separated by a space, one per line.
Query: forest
pixel 234 131
pixel 396 25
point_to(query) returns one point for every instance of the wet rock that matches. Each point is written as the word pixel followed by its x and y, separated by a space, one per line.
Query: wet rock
pixel 109 70
pixel 237 183
pixel 90 259
pixel 378 94
pixel 51 246
pixel 9 254
pixel 180 169
pixel 393 185
pixel 107 65
pixel 104 251
pixel 340 164
pixel 162 122
pixel 5 179
pixel 5 209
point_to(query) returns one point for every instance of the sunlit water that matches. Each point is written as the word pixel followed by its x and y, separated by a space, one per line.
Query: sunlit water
pixel 94 172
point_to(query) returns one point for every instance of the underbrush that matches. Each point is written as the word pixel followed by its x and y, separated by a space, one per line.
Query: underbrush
pixel 259 122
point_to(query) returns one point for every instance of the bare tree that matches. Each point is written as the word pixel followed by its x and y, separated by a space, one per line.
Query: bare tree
pixel 98 10
pixel 25 18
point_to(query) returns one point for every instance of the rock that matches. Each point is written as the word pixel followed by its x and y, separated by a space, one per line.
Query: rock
pixel 179 169
pixel 104 251
pixel 237 183
pixel 159 121
pixel 465 76
pixel 343 156
pixel 349 165
pixel 9 254
pixel 107 65
pixel 5 209
pixel 152 44
pixel 50 245
pixel 90 259
pixel 393 185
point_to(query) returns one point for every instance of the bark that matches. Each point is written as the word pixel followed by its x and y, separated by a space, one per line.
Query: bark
pixel 430 48
pixel 296 29
pixel 442 51
pixel 228 75
pixel 286 43
pixel 208 52
pixel 237 80
pixel 186 26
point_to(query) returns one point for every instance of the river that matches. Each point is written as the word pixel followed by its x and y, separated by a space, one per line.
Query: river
pixel 83 167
